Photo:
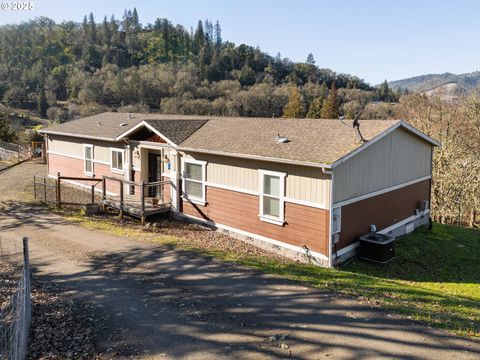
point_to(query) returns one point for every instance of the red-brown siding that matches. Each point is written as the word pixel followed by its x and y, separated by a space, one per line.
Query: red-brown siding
pixel 382 210
pixel 167 191
pixel 304 225
pixel 68 166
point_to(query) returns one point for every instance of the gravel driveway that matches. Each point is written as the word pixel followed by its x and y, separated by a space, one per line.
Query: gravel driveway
pixel 155 302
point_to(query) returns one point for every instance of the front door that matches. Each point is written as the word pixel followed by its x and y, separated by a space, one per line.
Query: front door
pixel 154 172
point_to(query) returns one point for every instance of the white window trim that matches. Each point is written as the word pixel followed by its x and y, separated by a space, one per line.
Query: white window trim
pixel 339 220
pixel 267 218
pixel 88 173
pixel 194 200
pixel 115 170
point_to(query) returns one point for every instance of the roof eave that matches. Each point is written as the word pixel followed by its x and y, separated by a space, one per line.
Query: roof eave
pixel 256 157
pixel 46 132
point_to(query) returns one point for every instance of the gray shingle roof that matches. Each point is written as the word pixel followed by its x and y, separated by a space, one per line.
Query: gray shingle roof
pixel 310 140
pixel 176 130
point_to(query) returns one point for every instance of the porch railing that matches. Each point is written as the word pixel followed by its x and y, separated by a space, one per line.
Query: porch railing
pixel 136 198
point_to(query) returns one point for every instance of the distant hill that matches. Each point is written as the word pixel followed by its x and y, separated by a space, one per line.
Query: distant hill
pixel 452 84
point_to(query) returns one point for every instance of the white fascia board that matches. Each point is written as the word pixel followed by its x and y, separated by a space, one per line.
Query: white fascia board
pixel 149 127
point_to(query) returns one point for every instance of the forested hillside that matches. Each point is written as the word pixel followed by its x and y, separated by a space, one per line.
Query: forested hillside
pixel 71 69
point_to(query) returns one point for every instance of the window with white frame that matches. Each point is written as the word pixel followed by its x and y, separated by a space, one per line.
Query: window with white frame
pixel 336 220
pixel 88 159
pixel 116 160
pixel 272 193
pixel 193 184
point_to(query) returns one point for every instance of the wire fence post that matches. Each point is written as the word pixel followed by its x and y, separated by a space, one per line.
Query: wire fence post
pixel 15 316
pixel 34 188
pixel 58 192
pixel 26 264
pixel 121 199
pixel 45 190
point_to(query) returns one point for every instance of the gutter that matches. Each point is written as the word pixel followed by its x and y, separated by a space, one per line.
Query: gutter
pixel 46 132
pixel 324 167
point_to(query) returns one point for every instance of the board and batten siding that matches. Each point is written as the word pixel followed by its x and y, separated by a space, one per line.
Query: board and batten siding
pixel 302 183
pixel 71 146
pixel 397 158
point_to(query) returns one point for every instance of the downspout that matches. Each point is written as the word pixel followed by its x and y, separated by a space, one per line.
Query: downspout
pixel 129 160
pixel 177 181
pixel 330 211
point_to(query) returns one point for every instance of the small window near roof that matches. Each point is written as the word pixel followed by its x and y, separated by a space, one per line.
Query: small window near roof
pixel 272 193
pixel 117 160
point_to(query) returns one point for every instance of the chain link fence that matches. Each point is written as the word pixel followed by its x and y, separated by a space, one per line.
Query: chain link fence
pixel 15 305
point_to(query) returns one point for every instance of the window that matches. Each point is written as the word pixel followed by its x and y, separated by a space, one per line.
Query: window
pixel 272 192
pixel 88 159
pixel 336 220
pixel 193 184
pixel 117 161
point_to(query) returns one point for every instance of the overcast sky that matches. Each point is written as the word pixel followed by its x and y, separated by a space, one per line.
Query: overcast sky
pixel 372 39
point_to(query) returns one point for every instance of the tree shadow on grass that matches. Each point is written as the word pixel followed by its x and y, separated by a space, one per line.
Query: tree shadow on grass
pixel 163 301
pixel 446 254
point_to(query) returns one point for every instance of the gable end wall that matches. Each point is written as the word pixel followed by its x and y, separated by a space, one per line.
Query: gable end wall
pixel 397 158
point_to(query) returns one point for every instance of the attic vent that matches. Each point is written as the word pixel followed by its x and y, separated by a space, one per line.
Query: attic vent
pixel 282 139
pixel 99 123
pixel 123 124
pixel 130 116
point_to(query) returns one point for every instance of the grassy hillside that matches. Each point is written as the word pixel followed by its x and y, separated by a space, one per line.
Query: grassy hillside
pixel 424 83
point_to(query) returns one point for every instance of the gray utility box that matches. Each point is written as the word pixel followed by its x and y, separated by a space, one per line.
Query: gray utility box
pixel 378 248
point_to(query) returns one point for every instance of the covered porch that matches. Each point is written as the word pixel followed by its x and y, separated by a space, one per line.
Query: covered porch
pixel 138 199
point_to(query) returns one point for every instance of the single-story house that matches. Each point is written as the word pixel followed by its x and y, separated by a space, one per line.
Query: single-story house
pixel 302 187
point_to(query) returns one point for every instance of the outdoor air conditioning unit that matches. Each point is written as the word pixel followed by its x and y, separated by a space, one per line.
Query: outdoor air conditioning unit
pixel 377 248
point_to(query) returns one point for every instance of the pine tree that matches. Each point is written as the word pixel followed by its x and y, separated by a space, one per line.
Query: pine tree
pixel 384 91
pixel 42 104
pixel 315 109
pixel 295 108
pixel 331 106
pixel 92 29
pixel 198 39
pixel 218 37
pixel 323 93
pixel 135 21
pixel 310 59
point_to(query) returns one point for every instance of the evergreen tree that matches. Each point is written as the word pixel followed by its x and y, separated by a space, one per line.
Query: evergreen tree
pixel 323 93
pixel 42 104
pixel 6 133
pixel 310 59
pixel 198 39
pixel 218 37
pixel 135 22
pixel 331 106
pixel 295 107
pixel 315 109
pixel 384 92
pixel 92 29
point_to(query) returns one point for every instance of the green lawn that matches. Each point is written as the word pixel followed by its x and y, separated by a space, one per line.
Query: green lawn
pixel 435 277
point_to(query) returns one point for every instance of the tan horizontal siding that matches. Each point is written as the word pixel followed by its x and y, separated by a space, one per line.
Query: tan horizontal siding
pixel 302 182
pixel 303 225
pixel 74 147
pixel 397 158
